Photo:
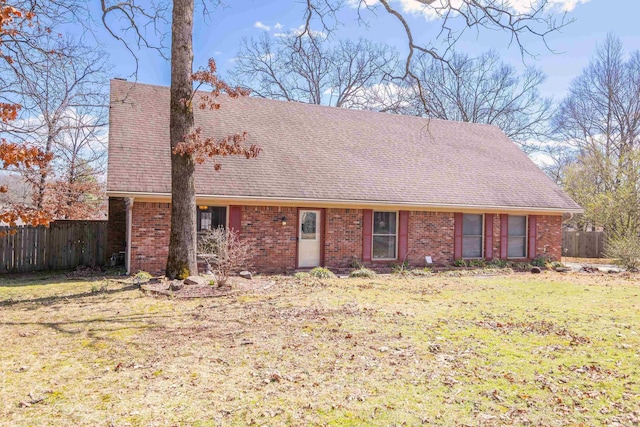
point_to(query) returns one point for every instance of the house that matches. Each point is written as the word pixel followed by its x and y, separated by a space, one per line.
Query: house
pixel 332 185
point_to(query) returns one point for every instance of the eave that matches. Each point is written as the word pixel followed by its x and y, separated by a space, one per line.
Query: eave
pixel 347 204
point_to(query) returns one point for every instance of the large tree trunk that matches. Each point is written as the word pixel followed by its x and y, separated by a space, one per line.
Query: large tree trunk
pixel 182 243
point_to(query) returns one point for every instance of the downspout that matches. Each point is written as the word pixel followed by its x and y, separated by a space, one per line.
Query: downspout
pixel 128 202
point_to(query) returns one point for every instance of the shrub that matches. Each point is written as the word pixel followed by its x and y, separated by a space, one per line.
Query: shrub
pixel 460 263
pixel 363 272
pixel 540 261
pixel 625 249
pixel 301 275
pixel 142 277
pixel 402 268
pixel 322 273
pixel 355 263
pixel 498 263
pixel 421 272
pixel 477 263
pixel 224 253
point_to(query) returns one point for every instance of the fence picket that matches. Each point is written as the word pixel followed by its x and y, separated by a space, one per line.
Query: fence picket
pixel 583 244
pixel 62 245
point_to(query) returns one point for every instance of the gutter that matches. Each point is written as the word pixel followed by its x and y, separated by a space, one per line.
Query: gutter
pixel 128 202
pixel 353 204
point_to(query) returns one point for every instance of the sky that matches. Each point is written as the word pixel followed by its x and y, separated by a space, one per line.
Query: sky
pixel 220 33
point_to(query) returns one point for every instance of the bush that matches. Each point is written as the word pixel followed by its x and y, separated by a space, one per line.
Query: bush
pixel 498 263
pixel 142 277
pixel 402 268
pixel 460 263
pixel 301 275
pixel 540 261
pixel 322 273
pixel 224 253
pixel 421 272
pixel 477 263
pixel 363 272
pixel 625 249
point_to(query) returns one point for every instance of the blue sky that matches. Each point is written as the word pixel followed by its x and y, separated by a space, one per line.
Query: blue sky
pixel 220 34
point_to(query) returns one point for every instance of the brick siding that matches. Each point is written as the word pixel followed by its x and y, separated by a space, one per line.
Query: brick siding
pixel 150 227
pixel 343 237
pixel 549 237
pixel 430 234
pixel 275 245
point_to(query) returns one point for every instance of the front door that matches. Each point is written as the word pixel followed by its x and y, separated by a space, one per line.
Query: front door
pixel 309 241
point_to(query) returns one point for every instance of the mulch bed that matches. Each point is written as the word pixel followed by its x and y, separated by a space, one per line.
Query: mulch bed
pixel 235 285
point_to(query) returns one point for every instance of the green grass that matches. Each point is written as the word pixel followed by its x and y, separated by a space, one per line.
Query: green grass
pixel 545 349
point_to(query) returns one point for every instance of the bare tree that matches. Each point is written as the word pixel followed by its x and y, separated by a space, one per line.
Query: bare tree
pixel 536 20
pixel 312 69
pixel 453 17
pixel 600 121
pixel 483 90
pixel 62 91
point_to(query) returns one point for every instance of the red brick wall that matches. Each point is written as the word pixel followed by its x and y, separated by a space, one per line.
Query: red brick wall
pixel 343 237
pixel 150 237
pixel 274 244
pixel 549 237
pixel 430 233
pixel 548 240
pixel 116 226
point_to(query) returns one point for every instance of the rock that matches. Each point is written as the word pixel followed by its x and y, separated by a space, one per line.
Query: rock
pixel 562 269
pixel 176 285
pixel 245 274
pixel 196 280
pixel 536 270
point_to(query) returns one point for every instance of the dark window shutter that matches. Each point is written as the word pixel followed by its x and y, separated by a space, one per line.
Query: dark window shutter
pixel 488 236
pixel 532 236
pixel 504 235
pixel 403 238
pixel 367 229
pixel 457 236
pixel 235 218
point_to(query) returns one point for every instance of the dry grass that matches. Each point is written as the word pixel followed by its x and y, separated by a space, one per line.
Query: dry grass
pixel 546 350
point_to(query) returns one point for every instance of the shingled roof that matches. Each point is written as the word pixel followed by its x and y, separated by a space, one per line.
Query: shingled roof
pixel 328 156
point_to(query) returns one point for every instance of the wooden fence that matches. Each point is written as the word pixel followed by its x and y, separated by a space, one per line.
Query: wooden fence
pixel 64 245
pixel 583 244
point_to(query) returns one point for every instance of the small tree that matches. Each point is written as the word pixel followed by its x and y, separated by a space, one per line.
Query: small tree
pixel 625 249
pixel 224 253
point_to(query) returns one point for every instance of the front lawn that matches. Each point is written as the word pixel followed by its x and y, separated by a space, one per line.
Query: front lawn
pixel 547 349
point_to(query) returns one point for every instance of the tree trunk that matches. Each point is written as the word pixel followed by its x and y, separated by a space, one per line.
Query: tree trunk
pixel 182 242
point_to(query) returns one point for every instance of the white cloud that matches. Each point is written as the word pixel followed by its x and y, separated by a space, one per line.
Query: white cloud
pixel 259 25
pixel 278 26
pixel 430 12
pixel 298 31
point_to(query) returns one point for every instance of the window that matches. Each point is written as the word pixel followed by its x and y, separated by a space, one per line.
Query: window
pixel 384 235
pixel 472 235
pixel 517 244
pixel 211 217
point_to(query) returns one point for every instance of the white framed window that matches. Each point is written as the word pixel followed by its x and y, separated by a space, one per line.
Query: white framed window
pixel 517 237
pixel 472 235
pixel 385 235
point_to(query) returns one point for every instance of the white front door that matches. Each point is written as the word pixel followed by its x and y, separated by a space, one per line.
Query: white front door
pixel 309 238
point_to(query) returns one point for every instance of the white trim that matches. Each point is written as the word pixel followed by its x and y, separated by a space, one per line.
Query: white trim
pixel 373 225
pixel 302 202
pixel 526 238
pixel 128 203
pixel 482 236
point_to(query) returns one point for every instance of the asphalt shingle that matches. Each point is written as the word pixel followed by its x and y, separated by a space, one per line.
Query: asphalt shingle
pixel 328 154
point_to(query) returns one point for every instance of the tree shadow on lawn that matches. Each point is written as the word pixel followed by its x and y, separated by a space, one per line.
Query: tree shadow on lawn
pixel 66 327
pixel 67 297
